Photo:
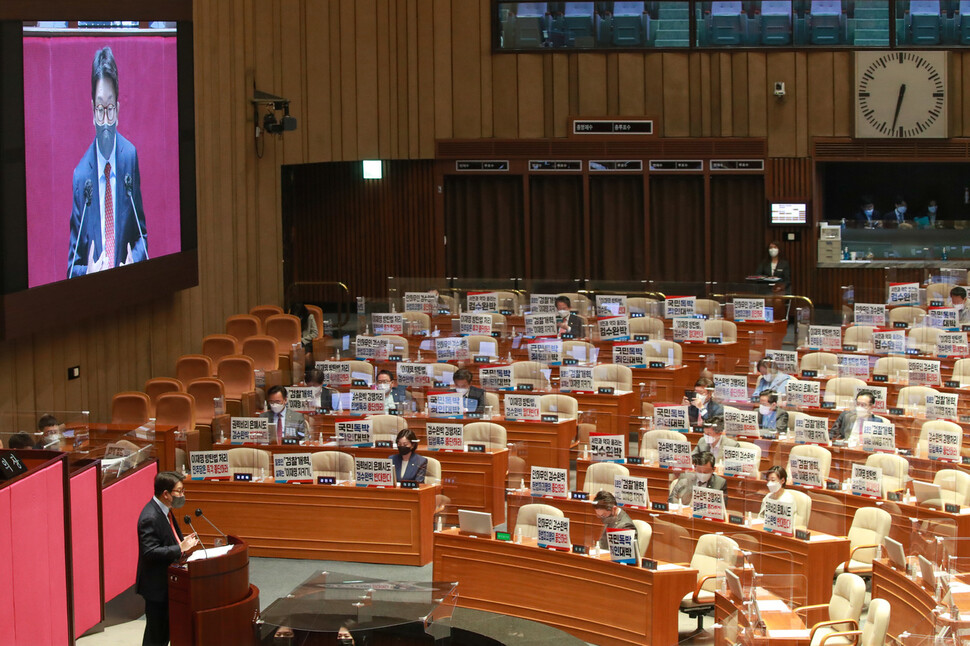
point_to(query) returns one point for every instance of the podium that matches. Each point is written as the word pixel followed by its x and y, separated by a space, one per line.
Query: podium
pixel 210 601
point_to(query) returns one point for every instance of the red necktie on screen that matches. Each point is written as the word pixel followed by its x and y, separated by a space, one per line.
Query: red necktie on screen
pixel 171 523
pixel 109 219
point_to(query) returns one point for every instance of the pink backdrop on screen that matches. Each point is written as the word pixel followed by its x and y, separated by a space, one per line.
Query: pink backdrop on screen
pixel 59 129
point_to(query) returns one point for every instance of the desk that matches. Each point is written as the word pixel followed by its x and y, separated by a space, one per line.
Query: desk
pixel 912 604
pixel 594 599
pixel 338 523
pixel 788 627
pixel 165 439
pixel 670 383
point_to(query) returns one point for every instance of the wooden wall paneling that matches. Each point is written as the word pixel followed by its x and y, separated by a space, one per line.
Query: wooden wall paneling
pixel 442 70
pixel 821 87
pixel 427 107
pixel 591 83
pixel 712 106
pixel 526 232
pixel 782 118
pixel 399 78
pixel 630 85
pixel 654 92
pixel 699 94
pixel 347 80
pixel 466 70
pixel 506 97
pixel 292 40
pixel 241 182
pixel 676 95
pixel 739 95
pixel 802 99
pixel 954 100
pixel 843 112
pixel 561 90
pixel 416 69
pixel 757 97
pixel 726 85
pixel 319 120
pixel 484 41
pixel 336 109
pixel 964 94
pixel 365 55
pixel 548 98
pixel 612 84
pixel 531 108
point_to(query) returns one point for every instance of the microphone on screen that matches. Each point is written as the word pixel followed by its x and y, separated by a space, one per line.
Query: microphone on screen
pixel 129 188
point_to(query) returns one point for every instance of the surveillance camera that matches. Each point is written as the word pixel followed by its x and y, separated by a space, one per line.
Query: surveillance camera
pixel 779 89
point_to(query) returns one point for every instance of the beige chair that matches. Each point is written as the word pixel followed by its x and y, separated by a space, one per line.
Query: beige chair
pixel 247 460
pixel 707 307
pixel 939 292
pixel 433 473
pixel 954 488
pixel 579 303
pixel 439 370
pixel 399 345
pixel 498 322
pixel 525 521
pixel 644 532
pixel 648 325
pixel 895 470
pixel 713 554
pixel 669 351
pixel 893 367
pixel 924 339
pixel 508 300
pixel 493 436
pixel 844 610
pixel 564 406
pixel 645 306
pixel 386 427
pixel 869 526
pixel 332 464
pixel 860 336
pixel 803 507
pixel 599 477
pixel 823 362
pixel 611 375
pixel 648 443
pixel 475 342
pixel 727 330
pixel 842 391
pixel 491 399
pixel 582 351
pixel 874 629
pixel 417 322
pixel 755 469
pixel 907 314
pixel 961 371
pixel 361 370
pixel 132 408
pixel 823 455
pixel 914 396
pixel 923 445
pixel 530 372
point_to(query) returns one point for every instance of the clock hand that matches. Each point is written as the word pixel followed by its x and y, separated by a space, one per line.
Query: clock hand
pixel 899 104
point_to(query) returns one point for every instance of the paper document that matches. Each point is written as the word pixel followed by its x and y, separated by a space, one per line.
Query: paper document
pixel 772 605
pixel 208 553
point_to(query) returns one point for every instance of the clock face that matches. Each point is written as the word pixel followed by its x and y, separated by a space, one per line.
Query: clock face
pixel 901 94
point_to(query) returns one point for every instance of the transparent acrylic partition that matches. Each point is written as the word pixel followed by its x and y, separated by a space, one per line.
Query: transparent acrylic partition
pixel 52 430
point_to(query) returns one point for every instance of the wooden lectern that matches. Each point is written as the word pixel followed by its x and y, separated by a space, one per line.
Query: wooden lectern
pixel 211 601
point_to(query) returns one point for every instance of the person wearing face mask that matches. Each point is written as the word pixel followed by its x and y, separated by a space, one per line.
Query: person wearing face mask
pixel 771 379
pixel 714 439
pixel 701 407
pixel 397 395
pixel 776 478
pixel 474 396
pixel 322 394
pixel 408 465
pixel 160 543
pixel 106 186
pixel 958 296
pixel 568 322
pixel 682 491
pixel 850 421
pixel 776 267
pixel 867 216
pixel 898 215
pixel 928 219
pixel 610 514
pixel 771 419
pixel 283 422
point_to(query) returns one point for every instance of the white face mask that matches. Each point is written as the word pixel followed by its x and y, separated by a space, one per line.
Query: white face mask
pixel 384 386
pixel 562 313
pixel 764 409
pixel 774 486
pixel 712 440
pixel 461 391
pixel 773 252
pixel 861 411
pixel 277 408
pixel 958 306
pixel 703 477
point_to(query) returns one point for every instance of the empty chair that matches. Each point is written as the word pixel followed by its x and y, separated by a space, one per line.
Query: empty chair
pixel 939 291
pixel 909 314
pixel 508 301
pixel 286 329
pixel 131 407
pixel 669 351
pixel 599 477
pixel 578 24
pixel 869 526
pixel 332 464
pixel 671 542
pixel 874 629
pixel 256 462
pixel 205 392
pixel 649 325
pixel 498 322
pixel 386 427
pixel 895 470
pixel 776 22
pixel 923 445
pixel 433 473
pixel 860 336
pixel 823 455
pixel 954 488
pixel 243 326
pixel 924 339
pixel 217 346
pixel 441 369
pixel 530 372
pixel 263 312
pixel 823 362
pixel 564 406
pixel 844 608
pixel 417 322
pixel 727 24
pixel 399 345
pixel 894 367
pixel 649 443
pixel 842 390
pixel 707 307
pixel 582 351
pixel 924 22
pixel 636 304
pixel 914 396
pixel 961 371
pixel 726 330
pixel 713 554
pixel 525 521
pixel 158 386
pixel 631 25
pixel 755 468
pixel 176 409
pixel 493 436
pixel 237 374
pixel 803 507
pixel 613 376
pixel 262 350
pixel 476 341
pixel 826 22
pixel 491 399
pixel 644 532
pixel 190 367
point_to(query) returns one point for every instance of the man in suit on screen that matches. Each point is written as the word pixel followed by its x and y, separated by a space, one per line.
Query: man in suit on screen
pixel 160 543
pixel 107 219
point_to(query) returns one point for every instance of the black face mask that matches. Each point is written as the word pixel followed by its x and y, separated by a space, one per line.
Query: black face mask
pixel 346 641
pixel 106 138
pixel 403 450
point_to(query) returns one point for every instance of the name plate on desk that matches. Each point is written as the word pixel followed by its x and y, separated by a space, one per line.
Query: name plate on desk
pixel 524 387
pixel 634 459
pixel 736 519
pixel 659 506
pixel 242 477
pixel 566 336
pixel 897 411
pixel 506 312
pixel 289 441
pixel 326 480
pixel 809 374
pixel 803 534
pixel 482 358
pixel 850 348
pixel 714 340
pixel 409 484
pixel 936 303
pixel 949 383
pixel 384 444
pixel 550 419
pixel 605 390
pixel 570 362
pixel 580 549
pixel 880 378
pixel 950 508
pixel 831 485
pixel 579 495
pixel 828 405
pixel 503 536
pixel 395 357
pixel 965 328
pixel 358 383
pixel 476 448
pixel 657 364
pixel 900 325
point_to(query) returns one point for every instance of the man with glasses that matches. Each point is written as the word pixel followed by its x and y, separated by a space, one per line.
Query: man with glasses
pixel 160 544
pixel 107 220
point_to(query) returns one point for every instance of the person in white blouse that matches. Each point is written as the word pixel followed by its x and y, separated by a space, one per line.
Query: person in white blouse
pixel 777 478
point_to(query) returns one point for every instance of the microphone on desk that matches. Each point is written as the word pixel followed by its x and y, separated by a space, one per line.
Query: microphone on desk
pixel 88 192
pixel 129 187
pixel 198 513
pixel 188 521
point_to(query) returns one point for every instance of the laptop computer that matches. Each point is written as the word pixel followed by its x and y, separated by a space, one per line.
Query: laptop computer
pixel 895 552
pixel 477 523
pixel 926 491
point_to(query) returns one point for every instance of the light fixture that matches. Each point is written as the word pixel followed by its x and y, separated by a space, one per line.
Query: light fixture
pixel 373 168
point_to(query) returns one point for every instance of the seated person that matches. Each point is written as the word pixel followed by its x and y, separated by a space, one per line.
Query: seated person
pixel 849 423
pixel 777 478
pixel 702 476
pixel 702 406
pixel 714 440
pixel 408 465
pixel 958 296
pixel 569 323
pixel 771 378
pixel 867 215
pixel 474 396
pixel 771 419
pixel 51 431
pixel 928 220
pixel 283 422
pixel 610 514
pixel 21 440
pixel 897 217
pixel 397 396
pixel 324 394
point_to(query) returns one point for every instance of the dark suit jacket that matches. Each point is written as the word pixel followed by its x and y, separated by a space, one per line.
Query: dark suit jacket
pixel 417 467
pixel 400 395
pixel 477 394
pixel 157 549
pixel 861 217
pixel 844 424
pixel 290 418
pixel 622 522
pixel 683 489
pixel 890 219
pixel 783 271
pixel 575 323
pixel 713 410
pixel 126 227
